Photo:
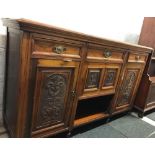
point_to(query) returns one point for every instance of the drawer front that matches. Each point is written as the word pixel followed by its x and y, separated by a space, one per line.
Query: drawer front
pixel 54 46
pixel 105 55
pixel 133 57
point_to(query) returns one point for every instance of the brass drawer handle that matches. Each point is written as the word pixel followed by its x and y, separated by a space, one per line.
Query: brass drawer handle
pixel 59 49
pixel 137 57
pixel 107 54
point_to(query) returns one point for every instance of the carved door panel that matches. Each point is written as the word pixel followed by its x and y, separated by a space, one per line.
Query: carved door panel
pixel 91 78
pixel 110 77
pixel 55 81
pixel 128 86
pixel 99 79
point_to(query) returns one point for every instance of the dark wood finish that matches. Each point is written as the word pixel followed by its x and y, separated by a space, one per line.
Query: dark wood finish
pixel 12 78
pixel 147 31
pixel 53 95
pixel 58 80
pixel 145 99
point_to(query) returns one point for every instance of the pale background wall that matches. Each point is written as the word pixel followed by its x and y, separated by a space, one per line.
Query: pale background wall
pixel 115 19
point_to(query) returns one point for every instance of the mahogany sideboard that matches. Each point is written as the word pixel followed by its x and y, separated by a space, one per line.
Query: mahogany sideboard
pixel 57 80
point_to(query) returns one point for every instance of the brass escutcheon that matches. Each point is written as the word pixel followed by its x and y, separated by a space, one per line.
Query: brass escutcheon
pixel 59 49
pixel 107 54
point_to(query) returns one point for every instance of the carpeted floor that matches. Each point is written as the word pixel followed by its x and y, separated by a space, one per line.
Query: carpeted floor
pixel 127 126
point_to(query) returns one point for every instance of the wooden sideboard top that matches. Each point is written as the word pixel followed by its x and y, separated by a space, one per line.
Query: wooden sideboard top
pixel 37 27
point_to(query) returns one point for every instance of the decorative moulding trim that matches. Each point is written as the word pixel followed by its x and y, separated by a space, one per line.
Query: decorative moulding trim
pixel 36 27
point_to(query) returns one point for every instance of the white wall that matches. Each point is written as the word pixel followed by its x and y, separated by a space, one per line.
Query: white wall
pixel 114 19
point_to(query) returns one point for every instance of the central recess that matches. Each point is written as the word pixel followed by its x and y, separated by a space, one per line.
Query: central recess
pixel 89 110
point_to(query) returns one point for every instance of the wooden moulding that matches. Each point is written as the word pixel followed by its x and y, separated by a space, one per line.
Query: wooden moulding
pixel 36 27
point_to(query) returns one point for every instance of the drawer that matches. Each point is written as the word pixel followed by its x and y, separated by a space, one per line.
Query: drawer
pixel 56 47
pixel 105 55
pixel 137 58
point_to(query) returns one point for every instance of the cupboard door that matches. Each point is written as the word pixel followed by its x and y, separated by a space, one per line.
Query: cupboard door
pixel 55 81
pixel 93 79
pixel 110 77
pixel 129 86
pixel 98 79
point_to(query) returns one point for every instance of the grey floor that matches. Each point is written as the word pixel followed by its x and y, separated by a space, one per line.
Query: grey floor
pixel 127 126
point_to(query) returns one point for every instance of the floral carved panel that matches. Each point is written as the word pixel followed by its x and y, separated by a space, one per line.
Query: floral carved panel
pixel 127 87
pixel 53 95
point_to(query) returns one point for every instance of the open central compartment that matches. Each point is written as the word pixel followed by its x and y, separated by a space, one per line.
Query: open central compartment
pixel 92 109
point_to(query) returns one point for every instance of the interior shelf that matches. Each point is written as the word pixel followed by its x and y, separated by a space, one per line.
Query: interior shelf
pixel 93 109
pixel 91 118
